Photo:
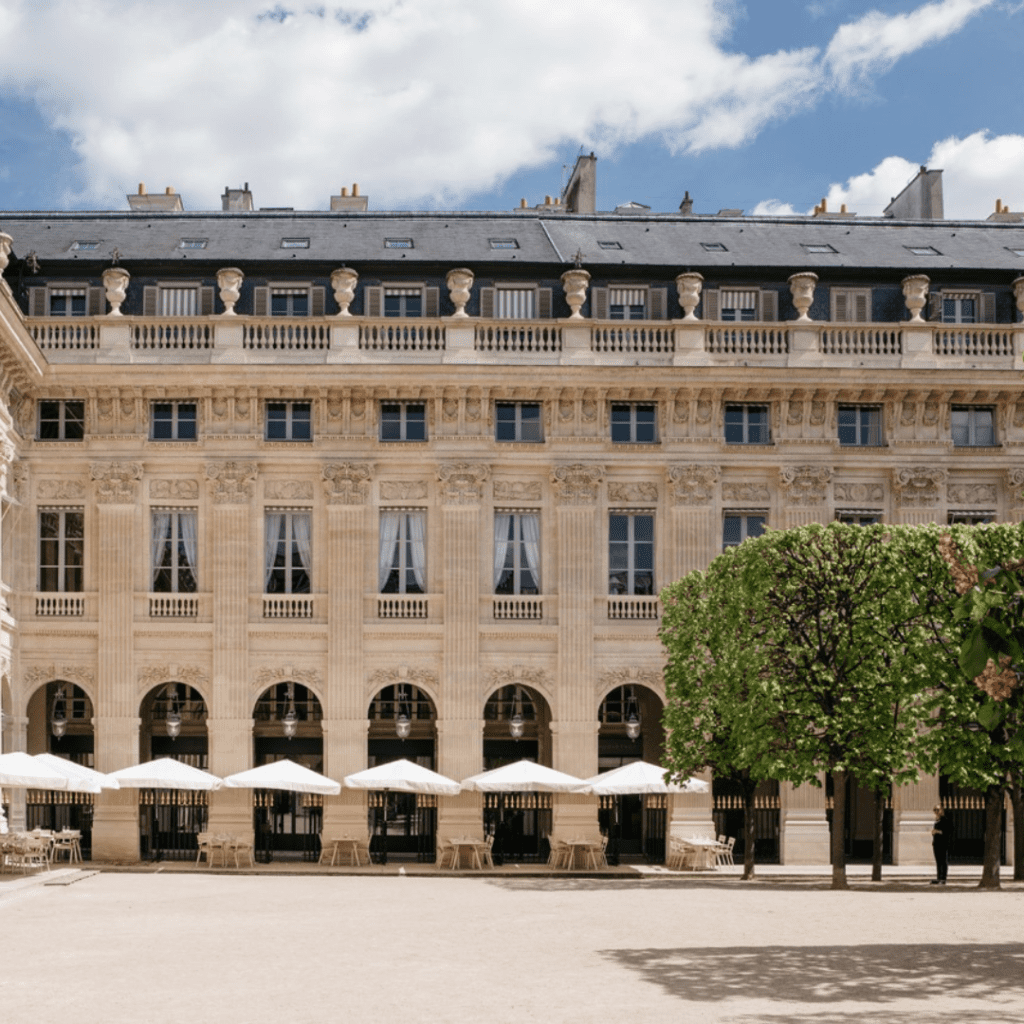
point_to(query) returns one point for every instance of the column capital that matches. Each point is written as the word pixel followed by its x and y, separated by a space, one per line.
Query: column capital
pixel 231 482
pixel 462 483
pixel 116 482
pixel 577 483
pixel 347 483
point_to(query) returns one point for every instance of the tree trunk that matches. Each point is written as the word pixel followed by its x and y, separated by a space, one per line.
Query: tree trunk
pixel 1017 803
pixel 993 836
pixel 881 797
pixel 839 830
pixel 749 787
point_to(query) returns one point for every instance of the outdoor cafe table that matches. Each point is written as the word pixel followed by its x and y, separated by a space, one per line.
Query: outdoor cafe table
pixel 706 852
pixel 342 845
pixel 474 846
pixel 584 851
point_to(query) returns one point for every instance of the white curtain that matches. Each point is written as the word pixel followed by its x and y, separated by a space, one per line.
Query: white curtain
pixel 502 521
pixel 270 539
pixel 300 530
pixel 417 524
pixel 187 521
pixel 389 524
pixel 159 539
pixel 530 523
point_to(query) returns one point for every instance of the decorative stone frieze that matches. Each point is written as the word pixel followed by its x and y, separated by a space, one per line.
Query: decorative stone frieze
pixel 116 482
pixel 231 482
pixel 517 675
pixel 308 677
pixel 693 484
pixel 575 282
pixel 343 282
pixel 805 485
pixel 801 288
pixel 1015 485
pixel 971 495
pixel 115 282
pixel 915 294
pixel 191 675
pixel 19 481
pixel 577 483
pixel 632 676
pixel 347 483
pixel 424 678
pixel 462 483
pixel 288 490
pixel 644 491
pixel 459 282
pixel 229 281
pixel 746 494
pixel 858 493
pixel 36 675
pixel 689 286
pixel 517 490
pixel 403 490
pixel 60 490
pixel 918 486
pixel 181 490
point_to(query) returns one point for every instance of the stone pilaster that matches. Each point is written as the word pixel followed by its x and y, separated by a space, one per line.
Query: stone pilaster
pixel 918 492
pixel 804 832
pixel 691 814
pixel 913 819
pixel 695 530
pixel 805 492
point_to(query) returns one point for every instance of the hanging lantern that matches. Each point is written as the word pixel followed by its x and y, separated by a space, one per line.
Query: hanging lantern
pixel 515 726
pixel 59 721
pixel 633 727
pixel 403 726
pixel 290 724
pixel 172 722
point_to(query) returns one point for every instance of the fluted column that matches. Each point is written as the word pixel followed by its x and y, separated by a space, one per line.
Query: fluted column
pixel 696 531
pixel 230 703
pixel 115 832
pixel 803 825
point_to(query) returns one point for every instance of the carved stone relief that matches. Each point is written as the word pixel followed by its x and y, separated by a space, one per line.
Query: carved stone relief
pixel 746 494
pixel 190 675
pixel 693 485
pixel 424 678
pixel 185 490
pixel 462 483
pixel 859 493
pixel 231 482
pixel 649 677
pixel 641 491
pixel 37 675
pixel 289 490
pixel 517 490
pixel 973 495
pixel 403 490
pixel 1015 483
pixel 61 490
pixel 517 675
pixel 577 484
pixel 116 482
pixel 347 483
pixel 918 486
pixel 267 677
pixel 805 485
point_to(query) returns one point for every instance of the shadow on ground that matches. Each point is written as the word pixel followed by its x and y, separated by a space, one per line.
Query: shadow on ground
pixel 830 974
pixel 856 1017
pixel 611 882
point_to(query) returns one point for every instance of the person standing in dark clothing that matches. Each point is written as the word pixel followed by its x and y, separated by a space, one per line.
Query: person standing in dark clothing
pixel 942 840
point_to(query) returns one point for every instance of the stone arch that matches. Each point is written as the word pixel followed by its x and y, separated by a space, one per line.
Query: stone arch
pixel 650 678
pixel 40 675
pixel 643 689
pixel 424 679
pixel 536 679
pixel 154 676
pixel 523 690
pixel 265 678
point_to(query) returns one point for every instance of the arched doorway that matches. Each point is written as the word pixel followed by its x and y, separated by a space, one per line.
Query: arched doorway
pixel 402 723
pixel 287 723
pixel 629 729
pixel 60 722
pixel 517 726
pixel 172 724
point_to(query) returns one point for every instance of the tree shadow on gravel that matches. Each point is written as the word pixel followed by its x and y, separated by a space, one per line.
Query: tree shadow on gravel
pixel 857 1017
pixel 613 882
pixel 830 974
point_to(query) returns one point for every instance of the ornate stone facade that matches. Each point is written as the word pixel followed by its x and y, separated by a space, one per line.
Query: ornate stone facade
pixel 693 485
pixel 231 483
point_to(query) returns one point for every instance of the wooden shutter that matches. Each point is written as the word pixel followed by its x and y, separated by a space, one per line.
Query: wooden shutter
pixel 599 303
pixel 206 301
pixel 487 303
pixel 934 307
pixel 96 304
pixel 988 308
pixel 317 300
pixel 261 301
pixel 373 300
pixel 851 305
pixel 150 297
pixel 544 303
pixel 769 306
pixel 862 306
pixel 840 305
pixel 37 302
pixel 657 301
pixel 709 304
pixel 431 302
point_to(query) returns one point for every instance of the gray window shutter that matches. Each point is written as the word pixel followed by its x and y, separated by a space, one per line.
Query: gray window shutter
pixel 599 303
pixel 373 300
pixel 261 301
pixel 431 302
pixel 934 306
pixel 657 301
pixel 544 303
pixel 97 304
pixel 317 300
pixel 769 306
pixel 206 301
pixel 37 302
pixel 709 304
pixel 150 296
pixel 988 307
pixel 487 303
pixel 862 307
pixel 840 306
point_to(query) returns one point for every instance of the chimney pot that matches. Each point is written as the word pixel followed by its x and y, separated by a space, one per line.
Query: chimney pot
pixel 168 191
pixel 344 190
pixel 522 203
pixel 842 209
pixel 142 188
pixel 355 188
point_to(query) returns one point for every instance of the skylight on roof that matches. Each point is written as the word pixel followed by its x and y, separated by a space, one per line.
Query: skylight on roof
pixel 922 250
pixel 192 243
pixel 504 243
pixel 610 245
pixel 819 247
pixel 294 243
pixel 1016 252
pixel 75 246
pixel 713 247
pixel 397 243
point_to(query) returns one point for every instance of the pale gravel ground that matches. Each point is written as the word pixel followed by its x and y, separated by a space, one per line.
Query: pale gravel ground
pixel 174 948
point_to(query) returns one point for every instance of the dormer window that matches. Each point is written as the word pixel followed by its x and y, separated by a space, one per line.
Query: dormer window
pixel 609 245
pixel 294 243
pixel 192 243
pixel 819 247
pixel 504 243
pixel 922 250
pixel 398 243
pixel 84 246
pixel 713 247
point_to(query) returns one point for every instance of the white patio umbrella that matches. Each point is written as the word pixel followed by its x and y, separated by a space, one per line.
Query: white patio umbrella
pixel 165 773
pixel 283 774
pixel 403 776
pixel 80 779
pixel 524 777
pixel 19 770
pixel 640 777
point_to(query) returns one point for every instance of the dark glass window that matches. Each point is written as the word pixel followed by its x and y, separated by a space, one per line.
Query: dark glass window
pixel 403 421
pixel 517 421
pixel 630 554
pixel 746 424
pixel 633 423
pixel 174 421
pixel 289 421
pixel 61 420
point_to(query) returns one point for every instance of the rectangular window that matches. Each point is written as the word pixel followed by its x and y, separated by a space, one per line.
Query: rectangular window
pixel 860 425
pixel 403 302
pixel 289 302
pixel 746 424
pixel 61 420
pixel 402 564
pixel 288 553
pixel 633 423
pixel 174 421
pixel 973 426
pixel 403 421
pixel 67 301
pixel 630 553
pixel 972 518
pixel 859 518
pixel 517 421
pixel 174 550
pixel 738 306
pixel 179 302
pixel 516 553
pixel 514 303
pixel 627 303
pixel 61 549
pixel 738 526
pixel 289 421
pixel 959 310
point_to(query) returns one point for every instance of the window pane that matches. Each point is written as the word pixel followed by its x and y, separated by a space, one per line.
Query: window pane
pixel 645 424
pixel 734 424
pixel 300 304
pixel 731 531
pixel 390 422
pixel 277 421
pixel 618 527
pixel 758 424
pixel 960 424
pixel 278 305
pixel 643 529
pixel 74 421
pixel 413 305
pixel 301 421
pixel 163 421
pixel 505 423
pixel 755 525
pixel 621 432
pixel 186 421
pixel 392 305
pixel 847 426
pixel 984 432
pixel 415 422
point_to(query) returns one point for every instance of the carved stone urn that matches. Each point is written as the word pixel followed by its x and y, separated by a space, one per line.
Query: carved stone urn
pixel 1018 294
pixel 459 282
pixel 229 281
pixel 575 283
pixel 689 286
pixel 115 281
pixel 801 287
pixel 915 293
pixel 343 281
pixel 5 250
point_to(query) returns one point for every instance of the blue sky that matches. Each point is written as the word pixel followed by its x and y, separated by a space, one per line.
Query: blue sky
pixel 763 105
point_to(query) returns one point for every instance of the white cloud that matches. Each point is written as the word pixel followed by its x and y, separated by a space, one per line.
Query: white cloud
pixel 419 102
